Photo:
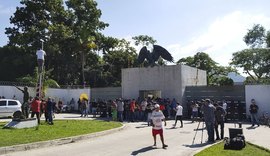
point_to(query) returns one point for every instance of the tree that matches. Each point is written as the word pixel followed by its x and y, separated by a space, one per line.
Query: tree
pixel 122 56
pixel 225 81
pixel 203 61
pixel 256 60
pixel 32 79
pixel 256 36
pixel 71 35
pixel 31 22
pixel 144 40
pixel 15 62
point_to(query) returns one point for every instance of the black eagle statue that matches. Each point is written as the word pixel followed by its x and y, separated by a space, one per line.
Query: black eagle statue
pixel 153 56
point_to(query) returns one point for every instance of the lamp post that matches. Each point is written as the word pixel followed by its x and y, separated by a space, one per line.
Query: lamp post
pixel 83 77
pixel 42 41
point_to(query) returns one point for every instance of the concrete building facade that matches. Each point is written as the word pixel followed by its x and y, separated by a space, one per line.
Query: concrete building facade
pixel 162 81
pixel 261 95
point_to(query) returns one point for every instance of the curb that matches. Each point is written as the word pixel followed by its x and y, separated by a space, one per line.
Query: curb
pixel 56 142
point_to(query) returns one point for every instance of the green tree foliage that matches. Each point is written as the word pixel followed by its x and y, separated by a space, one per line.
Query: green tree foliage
pixel 15 62
pixel 122 56
pixel 144 40
pixel 225 81
pixel 32 79
pixel 72 36
pixel 255 37
pixel 256 60
pixel 203 61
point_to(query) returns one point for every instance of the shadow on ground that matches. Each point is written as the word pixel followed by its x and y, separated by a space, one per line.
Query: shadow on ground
pixel 142 150
pixel 252 127
pixel 196 145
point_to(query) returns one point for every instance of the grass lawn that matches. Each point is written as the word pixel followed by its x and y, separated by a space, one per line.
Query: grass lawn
pixel 60 129
pixel 249 150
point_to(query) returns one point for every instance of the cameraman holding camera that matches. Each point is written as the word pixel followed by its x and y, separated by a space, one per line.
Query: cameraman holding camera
pixel 209 119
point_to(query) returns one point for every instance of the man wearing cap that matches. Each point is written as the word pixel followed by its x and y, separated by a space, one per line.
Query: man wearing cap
pixel 157 118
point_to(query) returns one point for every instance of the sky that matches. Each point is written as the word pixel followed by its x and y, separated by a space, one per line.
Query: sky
pixel 183 27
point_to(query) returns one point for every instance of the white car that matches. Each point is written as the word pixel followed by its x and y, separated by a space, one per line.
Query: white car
pixel 8 107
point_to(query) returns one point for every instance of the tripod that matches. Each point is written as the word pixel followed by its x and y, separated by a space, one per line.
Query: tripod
pixel 197 129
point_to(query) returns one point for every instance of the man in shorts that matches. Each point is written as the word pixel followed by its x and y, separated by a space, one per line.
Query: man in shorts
pixel 157 118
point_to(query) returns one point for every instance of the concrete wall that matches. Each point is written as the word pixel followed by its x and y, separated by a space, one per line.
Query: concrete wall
pixel 67 94
pixel 261 93
pixel 192 77
pixel 107 93
pixel 170 80
pixel 9 91
pixel 64 94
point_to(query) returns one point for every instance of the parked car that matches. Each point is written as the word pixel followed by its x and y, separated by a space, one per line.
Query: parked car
pixel 8 107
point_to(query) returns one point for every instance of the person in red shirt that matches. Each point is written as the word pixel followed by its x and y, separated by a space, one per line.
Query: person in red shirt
pixel 132 110
pixel 35 107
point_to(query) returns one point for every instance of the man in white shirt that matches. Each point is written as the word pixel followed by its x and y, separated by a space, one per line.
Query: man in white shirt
pixel 157 118
pixel 224 106
pixel 179 114
pixel 40 59
pixel 143 106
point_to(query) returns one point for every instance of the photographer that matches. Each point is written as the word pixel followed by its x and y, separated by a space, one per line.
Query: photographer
pixel 209 119
pixel 220 119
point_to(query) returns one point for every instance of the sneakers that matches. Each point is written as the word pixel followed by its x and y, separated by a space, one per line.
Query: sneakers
pixel 164 146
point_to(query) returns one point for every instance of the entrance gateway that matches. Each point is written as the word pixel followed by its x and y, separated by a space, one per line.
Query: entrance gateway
pixel 149 94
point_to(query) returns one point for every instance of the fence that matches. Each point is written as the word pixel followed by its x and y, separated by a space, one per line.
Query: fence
pixel 233 95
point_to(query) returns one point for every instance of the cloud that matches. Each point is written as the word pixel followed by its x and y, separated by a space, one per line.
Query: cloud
pixel 223 37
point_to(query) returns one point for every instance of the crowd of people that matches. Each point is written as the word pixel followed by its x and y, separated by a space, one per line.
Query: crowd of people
pixel 129 110
pixel 38 107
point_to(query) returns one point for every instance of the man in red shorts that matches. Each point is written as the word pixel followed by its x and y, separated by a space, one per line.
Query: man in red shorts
pixel 157 118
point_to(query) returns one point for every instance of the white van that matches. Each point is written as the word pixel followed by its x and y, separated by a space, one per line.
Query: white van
pixel 8 107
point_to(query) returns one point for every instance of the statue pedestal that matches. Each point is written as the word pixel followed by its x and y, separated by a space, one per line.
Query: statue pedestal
pixel 22 123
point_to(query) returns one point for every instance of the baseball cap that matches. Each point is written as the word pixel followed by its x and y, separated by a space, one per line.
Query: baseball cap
pixel 156 105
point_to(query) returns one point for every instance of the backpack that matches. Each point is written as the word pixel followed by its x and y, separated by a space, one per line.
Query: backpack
pixel 219 114
pixel 236 143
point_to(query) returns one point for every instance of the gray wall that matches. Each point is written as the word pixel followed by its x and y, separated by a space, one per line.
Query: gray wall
pixel 107 93
pixel 192 77
pixel 64 94
pixel 170 80
pixel 234 96
pixel 261 93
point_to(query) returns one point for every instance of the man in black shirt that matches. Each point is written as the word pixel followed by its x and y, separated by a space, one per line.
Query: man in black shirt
pixel 253 109
pixel 25 105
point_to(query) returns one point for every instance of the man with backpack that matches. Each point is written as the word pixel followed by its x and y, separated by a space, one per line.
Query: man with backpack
pixel 220 119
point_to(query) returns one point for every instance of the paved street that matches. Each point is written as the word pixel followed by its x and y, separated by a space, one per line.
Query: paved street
pixel 136 139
